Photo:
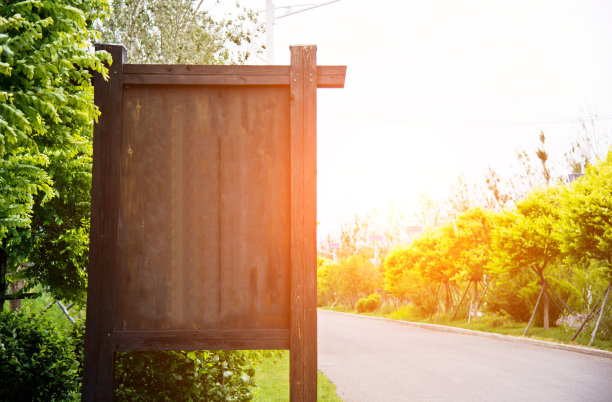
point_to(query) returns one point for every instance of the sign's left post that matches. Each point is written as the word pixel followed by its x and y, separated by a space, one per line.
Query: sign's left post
pixel 101 300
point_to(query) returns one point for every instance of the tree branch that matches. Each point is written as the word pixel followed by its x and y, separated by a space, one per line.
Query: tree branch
pixel 18 296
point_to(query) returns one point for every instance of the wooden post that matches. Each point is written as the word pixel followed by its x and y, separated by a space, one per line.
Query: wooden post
pixel 98 367
pixel 120 218
pixel 303 321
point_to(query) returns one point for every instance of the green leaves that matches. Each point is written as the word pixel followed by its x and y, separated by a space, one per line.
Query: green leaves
pixel 586 226
pixel 37 360
pixel 44 56
pixel 204 375
pixel 180 32
pixel 46 117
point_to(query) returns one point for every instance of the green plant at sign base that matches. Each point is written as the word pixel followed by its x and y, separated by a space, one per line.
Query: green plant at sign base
pixel 205 375
pixel 38 361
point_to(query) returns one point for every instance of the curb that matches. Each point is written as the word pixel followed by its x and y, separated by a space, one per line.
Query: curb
pixel 508 338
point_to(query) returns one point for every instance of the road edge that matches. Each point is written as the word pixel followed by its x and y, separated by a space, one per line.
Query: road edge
pixel 509 338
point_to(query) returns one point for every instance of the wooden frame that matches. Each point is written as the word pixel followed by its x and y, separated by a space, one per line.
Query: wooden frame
pixel 251 124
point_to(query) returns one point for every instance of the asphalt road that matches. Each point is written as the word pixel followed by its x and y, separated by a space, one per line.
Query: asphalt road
pixel 371 360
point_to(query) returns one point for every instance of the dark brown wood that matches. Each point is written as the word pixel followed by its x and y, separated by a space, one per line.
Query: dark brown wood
pixel 203 232
pixel 152 74
pixel 98 365
pixel 310 223
pixel 331 76
pixel 303 338
pixel 185 340
pixel 204 239
pixel 296 337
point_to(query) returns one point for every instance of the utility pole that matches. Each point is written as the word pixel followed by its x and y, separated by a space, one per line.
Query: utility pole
pixel 270 18
pixel 269 31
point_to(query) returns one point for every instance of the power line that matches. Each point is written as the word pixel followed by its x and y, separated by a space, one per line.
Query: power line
pixel 452 121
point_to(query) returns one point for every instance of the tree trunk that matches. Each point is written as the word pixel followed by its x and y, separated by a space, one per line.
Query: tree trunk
pixel 3 266
pixel 14 288
pixel 438 307
pixel 601 313
pixel 545 302
pixel 461 301
pixel 449 295
pixel 476 300
pixel 435 310
pixel 471 306
pixel 535 309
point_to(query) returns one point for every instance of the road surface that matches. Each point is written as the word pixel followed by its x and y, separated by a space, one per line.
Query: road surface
pixel 372 360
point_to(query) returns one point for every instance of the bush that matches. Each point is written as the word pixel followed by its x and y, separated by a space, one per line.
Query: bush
pixel 41 362
pixel 198 375
pixel 368 304
pixel 37 360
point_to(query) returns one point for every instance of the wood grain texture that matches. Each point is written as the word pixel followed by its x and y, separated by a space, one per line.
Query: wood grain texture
pixel 204 339
pixel 98 364
pixel 303 332
pixel 203 231
pixel 205 203
pixel 310 223
pixel 151 74
pixel 296 337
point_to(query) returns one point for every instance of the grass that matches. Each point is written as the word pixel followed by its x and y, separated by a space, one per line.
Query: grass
pixel 272 378
pixel 38 304
pixel 494 324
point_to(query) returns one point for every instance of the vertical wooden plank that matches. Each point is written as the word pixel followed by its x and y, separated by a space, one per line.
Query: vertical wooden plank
pixel 310 222
pixel 303 330
pixel 98 364
pixel 296 329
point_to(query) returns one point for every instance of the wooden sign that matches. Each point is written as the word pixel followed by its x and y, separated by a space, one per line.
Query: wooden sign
pixel 203 226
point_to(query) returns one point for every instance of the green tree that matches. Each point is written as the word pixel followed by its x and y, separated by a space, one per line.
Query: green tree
pixel 325 293
pixel 525 241
pixel 46 115
pixel 404 280
pixel 436 265
pixel 470 245
pixel 180 32
pixel 586 230
pixel 353 278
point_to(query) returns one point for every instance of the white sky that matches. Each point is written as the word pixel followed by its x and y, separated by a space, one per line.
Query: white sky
pixel 439 88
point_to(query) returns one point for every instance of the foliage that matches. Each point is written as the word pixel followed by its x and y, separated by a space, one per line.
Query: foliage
pixel 556 237
pixel 60 249
pixel 37 360
pixel 586 231
pixel 180 32
pixel 353 278
pixel 45 65
pixel 524 238
pixel 196 375
pixel 46 115
pixel 470 243
pixel 325 293
pixel 369 303
pixel 404 273
pixel 506 296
